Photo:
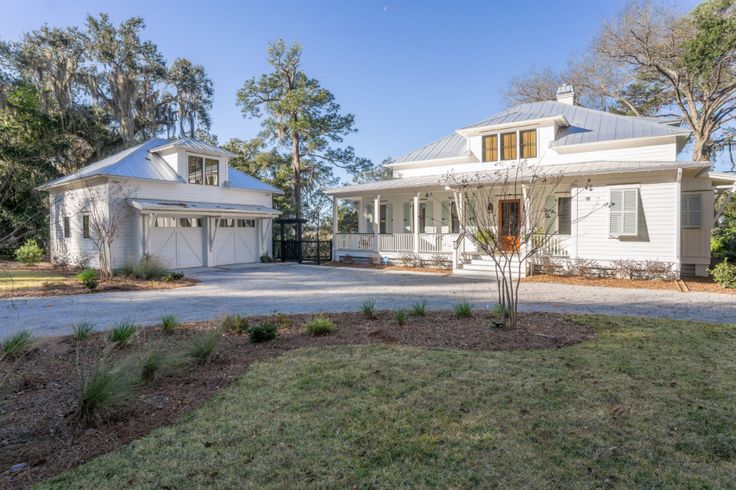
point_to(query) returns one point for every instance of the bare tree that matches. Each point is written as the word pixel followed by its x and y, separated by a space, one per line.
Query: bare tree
pixel 505 214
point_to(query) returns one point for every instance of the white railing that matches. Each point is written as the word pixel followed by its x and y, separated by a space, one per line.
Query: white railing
pixel 553 246
pixel 355 241
pixel 396 242
pixel 436 242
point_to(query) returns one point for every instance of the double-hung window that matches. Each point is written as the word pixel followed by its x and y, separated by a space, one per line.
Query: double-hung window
pixel 211 171
pixel 194 166
pixel 623 217
pixel 490 148
pixel 508 146
pixel 691 206
pixel 528 143
pixel 203 170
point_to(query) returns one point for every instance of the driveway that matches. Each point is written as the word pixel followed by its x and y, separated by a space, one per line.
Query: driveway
pixel 292 288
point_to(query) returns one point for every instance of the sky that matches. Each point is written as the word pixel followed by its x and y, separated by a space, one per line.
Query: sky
pixel 410 71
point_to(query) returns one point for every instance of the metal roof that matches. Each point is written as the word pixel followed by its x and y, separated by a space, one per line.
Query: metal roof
pixel 581 125
pixel 496 174
pixel 201 208
pixel 142 162
pixel 194 145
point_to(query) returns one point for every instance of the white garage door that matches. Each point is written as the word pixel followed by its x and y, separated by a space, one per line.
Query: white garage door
pixel 177 242
pixel 236 242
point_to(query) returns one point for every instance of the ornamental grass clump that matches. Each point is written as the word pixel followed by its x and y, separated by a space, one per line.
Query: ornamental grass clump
pixel 368 309
pixel 169 323
pixel 204 347
pixel 463 310
pixel 400 316
pixel 104 390
pixel 81 331
pixel 18 344
pixel 419 308
pixel 235 324
pixel 320 325
pixel 122 333
pixel 88 278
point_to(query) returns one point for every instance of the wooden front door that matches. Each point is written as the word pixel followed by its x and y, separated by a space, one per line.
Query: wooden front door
pixel 509 219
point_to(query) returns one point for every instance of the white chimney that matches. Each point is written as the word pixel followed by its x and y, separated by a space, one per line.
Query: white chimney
pixel 566 94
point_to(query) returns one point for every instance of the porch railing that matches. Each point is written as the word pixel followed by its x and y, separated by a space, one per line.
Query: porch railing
pixel 436 242
pixel 396 242
pixel 355 241
pixel 553 246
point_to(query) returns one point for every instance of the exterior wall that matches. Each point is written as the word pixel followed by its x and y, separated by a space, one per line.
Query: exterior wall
pixel 695 248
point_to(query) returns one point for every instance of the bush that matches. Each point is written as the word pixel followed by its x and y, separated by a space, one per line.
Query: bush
pixel 29 252
pixel 235 323
pixel 263 332
pixel 106 389
pixel 88 278
pixel 464 310
pixel 400 316
pixel 419 308
pixel 148 268
pixel 266 259
pixel 282 320
pixel 204 346
pixel 724 274
pixel 18 344
pixel 368 309
pixel 121 334
pixel 169 323
pixel 320 325
pixel 81 331
pixel 172 276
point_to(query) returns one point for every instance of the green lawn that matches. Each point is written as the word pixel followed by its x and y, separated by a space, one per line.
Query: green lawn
pixel 648 403
pixel 25 279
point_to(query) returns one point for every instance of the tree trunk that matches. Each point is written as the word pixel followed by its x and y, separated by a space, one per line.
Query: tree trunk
pixel 296 172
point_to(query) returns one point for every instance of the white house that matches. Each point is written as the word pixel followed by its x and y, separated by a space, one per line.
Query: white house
pixel 665 206
pixel 179 201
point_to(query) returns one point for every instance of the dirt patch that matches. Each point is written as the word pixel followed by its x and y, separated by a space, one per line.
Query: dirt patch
pixel 693 284
pixel 68 287
pixel 38 392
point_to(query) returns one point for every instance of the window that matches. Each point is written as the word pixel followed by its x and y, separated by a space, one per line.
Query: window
pixel 454 220
pixel 246 223
pixel 85 225
pixel 67 227
pixel 691 211
pixel 490 148
pixel 165 223
pixel 190 222
pixel 422 218
pixel 211 172
pixel 227 223
pixel 508 146
pixel 195 169
pixel 528 143
pixel 624 212
pixel 564 216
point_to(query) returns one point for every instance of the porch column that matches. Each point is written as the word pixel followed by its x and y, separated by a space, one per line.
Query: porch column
pixel 377 220
pixel 334 226
pixel 416 223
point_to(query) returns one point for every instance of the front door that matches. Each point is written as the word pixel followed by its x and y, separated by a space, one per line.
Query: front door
pixel 509 218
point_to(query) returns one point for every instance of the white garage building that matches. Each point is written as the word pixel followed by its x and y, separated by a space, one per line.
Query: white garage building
pixel 179 201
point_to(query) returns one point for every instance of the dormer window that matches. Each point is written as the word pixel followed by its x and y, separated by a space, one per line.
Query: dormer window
pixel 508 146
pixel 528 143
pixel 490 148
pixel 203 170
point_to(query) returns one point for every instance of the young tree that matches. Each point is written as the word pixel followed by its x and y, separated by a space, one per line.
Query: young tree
pixel 300 115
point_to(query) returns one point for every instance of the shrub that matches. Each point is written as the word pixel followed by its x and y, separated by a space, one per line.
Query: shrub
pixel 368 309
pixel 400 316
pixel 121 333
pixel 441 261
pixel 151 364
pixel 106 389
pixel 204 346
pixel 81 331
pixel 501 310
pixel 724 274
pixel 172 276
pixel 263 332
pixel 88 278
pixel 320 325
pixel 235 323
pixel 282 320
pixel 29 252
pixel 464 309
pixel 18 344
pixel 419 308
pixel 407 259
pixel 148 268
pixel 169 323
pixel 266 259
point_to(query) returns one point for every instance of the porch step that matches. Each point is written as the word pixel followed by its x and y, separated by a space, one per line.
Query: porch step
pixel 479 264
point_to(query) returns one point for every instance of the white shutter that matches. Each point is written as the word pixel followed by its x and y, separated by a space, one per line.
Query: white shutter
pixel 624 212
pixel 407 217
pixel 550 215
pixel 615 210
pixel 389 218
pixel 691 208
pixel 429 219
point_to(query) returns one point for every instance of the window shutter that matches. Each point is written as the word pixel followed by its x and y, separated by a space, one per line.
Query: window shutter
pixel 624 212
pixel 407 217
pixel 691 207
pixel 389 218
pixel 429 219
pixel 631 215
pixel 445 218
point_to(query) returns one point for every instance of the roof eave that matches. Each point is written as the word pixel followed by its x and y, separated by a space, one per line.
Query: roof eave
pixel 437 161
pixel 478 130
pixel 200 151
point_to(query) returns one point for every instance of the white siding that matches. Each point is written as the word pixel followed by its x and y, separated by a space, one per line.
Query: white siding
pixel 696 241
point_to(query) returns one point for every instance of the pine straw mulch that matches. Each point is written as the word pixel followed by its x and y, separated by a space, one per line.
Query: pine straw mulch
pixel 67 287
pixel 400 268
pixel 38 392
pixel 704 285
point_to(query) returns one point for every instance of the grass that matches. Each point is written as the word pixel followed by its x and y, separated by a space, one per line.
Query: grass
pixel 400 316
pixel 82 331
pixel 121 333
pixel 204 346
pixel 464 309
pixel 105 390
pixel 169 323
pixel 17 345
pixel 235 324
pixel 368 309
pixel 28 279
pixel 646 404
pixel 419 308
pixel 320 325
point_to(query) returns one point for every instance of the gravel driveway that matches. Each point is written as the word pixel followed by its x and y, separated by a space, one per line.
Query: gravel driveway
pixel 266 288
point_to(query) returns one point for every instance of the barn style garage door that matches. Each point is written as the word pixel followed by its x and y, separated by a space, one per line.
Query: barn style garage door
pixel 177 242
pixel 236 241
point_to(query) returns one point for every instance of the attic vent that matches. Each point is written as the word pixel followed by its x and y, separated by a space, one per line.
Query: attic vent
pixel 566 94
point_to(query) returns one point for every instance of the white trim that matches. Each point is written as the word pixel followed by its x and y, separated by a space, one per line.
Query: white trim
pixel 529 124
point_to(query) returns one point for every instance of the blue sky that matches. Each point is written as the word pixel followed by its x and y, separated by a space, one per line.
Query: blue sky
pixel 410 71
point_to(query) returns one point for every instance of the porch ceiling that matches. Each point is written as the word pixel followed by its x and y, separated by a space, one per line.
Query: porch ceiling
pixel 440 182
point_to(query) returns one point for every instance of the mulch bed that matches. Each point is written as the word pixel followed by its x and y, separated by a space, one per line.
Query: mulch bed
pixel 68 287
pixel 38 399
pixel 694 284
